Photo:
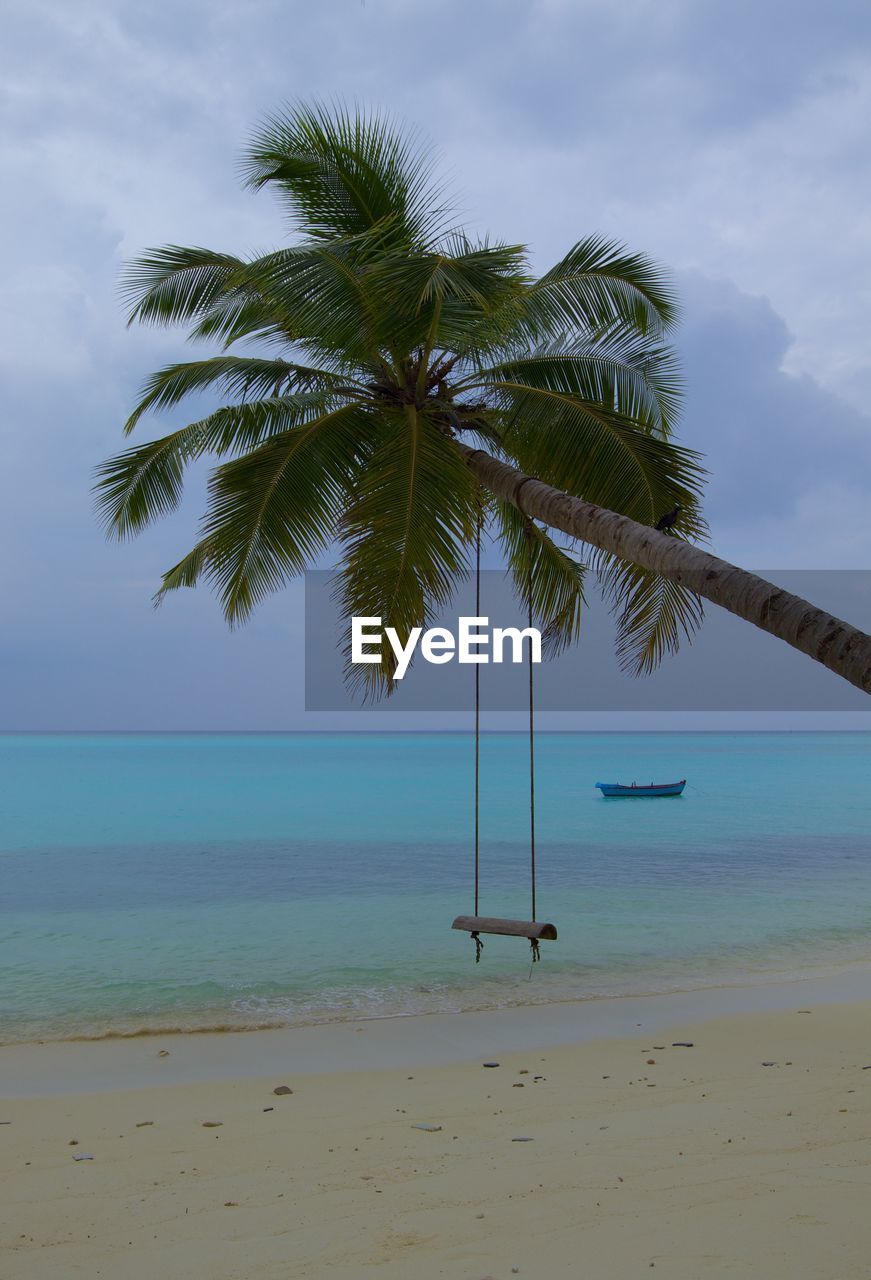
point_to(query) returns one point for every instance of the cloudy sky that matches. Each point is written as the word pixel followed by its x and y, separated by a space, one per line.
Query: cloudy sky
pixel 728 139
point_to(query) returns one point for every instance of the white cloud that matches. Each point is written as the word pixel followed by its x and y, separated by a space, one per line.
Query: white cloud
pixel 779 203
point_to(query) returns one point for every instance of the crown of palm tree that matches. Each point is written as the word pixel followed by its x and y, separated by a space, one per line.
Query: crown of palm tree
pixel 385 337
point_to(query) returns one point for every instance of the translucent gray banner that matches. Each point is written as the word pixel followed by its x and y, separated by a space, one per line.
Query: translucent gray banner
pixel 729 666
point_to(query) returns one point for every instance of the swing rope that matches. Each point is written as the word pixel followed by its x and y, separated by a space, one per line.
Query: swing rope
pixel 476 937
pixel 477 700
pixel 528 533
pixel 533 942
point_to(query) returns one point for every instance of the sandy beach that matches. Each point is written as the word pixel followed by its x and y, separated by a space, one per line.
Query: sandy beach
pixel 732 1145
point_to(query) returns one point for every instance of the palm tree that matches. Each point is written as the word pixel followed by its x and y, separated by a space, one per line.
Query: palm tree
pixel 411 384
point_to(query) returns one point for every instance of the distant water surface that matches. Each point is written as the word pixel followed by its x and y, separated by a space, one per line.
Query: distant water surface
pixel 196 881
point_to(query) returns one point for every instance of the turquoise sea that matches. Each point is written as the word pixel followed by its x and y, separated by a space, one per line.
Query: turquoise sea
pixel 194 881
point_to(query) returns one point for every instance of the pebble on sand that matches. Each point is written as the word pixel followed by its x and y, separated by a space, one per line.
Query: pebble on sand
pixel 489 1064
pixel 212 1124
pixel 428 1128
pixel 82 1155
pixel 282 1090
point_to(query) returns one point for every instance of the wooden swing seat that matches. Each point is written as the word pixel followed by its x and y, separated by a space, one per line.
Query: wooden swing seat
pixel 512 928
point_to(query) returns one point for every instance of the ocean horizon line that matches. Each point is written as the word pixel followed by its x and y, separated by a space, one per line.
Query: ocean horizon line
pixel 389 732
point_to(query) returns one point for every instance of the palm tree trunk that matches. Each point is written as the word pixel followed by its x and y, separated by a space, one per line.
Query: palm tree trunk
pixel 837 645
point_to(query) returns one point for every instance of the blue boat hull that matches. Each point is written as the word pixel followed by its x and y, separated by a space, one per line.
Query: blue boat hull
pixel 617 791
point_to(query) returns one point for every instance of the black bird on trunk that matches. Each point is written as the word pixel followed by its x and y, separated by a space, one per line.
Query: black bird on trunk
pixel 666 522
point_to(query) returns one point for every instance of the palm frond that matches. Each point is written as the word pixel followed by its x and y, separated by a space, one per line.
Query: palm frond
pixel 146 482
pixel 616 370
pixel 595 452
pixel 405 535
pixel 341 173
pixel 328 295
pixel 480 274
pixel 186 573
pixel 232 375
pixel 219 295
pixel 272 511
pixel 173 284
pixel 653 614
pixel 141 484
pixel 261 297
pixel 595 286
pixel 555 576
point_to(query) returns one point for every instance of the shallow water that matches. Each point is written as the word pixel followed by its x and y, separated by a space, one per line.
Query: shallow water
pixel 154 881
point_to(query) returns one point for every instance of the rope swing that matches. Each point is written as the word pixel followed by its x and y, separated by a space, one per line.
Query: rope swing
pixel 477 924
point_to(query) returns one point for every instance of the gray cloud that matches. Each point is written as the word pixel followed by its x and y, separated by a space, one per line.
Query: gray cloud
pixel 789 461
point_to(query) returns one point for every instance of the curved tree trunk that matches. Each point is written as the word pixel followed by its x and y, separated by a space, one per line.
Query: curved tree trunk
pixel 837 645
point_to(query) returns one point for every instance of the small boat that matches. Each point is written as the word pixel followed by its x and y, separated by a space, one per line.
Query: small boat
pixel 616 790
